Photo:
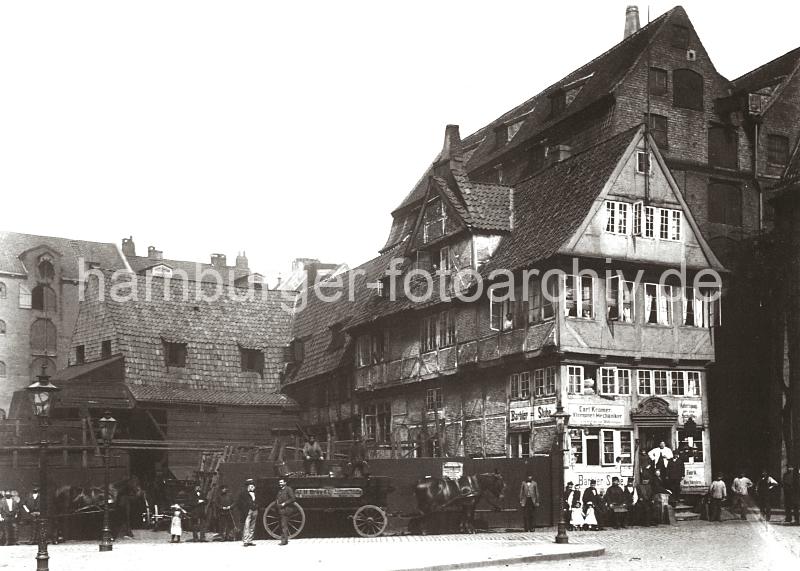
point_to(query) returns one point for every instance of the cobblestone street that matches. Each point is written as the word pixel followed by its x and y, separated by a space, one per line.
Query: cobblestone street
pixel 732 544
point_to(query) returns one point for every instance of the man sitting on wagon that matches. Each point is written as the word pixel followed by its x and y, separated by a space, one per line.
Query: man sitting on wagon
pixel 312 456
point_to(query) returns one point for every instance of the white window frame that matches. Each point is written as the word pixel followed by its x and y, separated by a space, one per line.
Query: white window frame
pixel 650 222
pixel 580 303
pixel 677 383
pixel 517 447
pixel 603 436
pixel 25 298
pixel 506 307
pixel 624 381
pixel 641 157
pixel 525 385
pixel 513 386
pixel 644 377
pixel 663 300
pixel 441 220
pixel 434 396
pixel 549 381
pixel 539 308
pixel 607 380
pixel 616 217
pixel 615 295
pixel 538 383
pixel 575 375
pixel 638 212
pixel 676 225
pixel 693 382
pixel 659 375
pixel 444 259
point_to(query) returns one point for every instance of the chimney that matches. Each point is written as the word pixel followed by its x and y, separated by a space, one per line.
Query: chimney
pixel 128 247
pixel 241 262
pixel 219 261
pixel 452 142
pixel 154 254
pixel 311 273
pixel 558 153
pixel 631 20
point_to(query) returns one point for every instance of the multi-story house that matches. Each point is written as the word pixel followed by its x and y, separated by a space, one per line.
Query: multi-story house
pixel 724 143
pixel 177 362
pixel 39 292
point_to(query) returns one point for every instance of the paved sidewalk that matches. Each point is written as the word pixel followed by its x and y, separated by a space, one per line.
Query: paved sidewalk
pixel 432 553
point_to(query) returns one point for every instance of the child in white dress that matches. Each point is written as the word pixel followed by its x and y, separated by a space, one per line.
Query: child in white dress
pixel 590 520
pixel 576 517
pixel 175 528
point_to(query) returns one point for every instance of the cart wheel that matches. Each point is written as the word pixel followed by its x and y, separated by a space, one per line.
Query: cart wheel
pixel 272 521
pixel 370 521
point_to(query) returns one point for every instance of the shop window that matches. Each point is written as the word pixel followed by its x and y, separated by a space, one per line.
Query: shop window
pixel 660 382
pixel 24 297
pixel 433 400
pixel 777 150
pixel 46 271
pixel 576 445
pixel 542 296
pixel 608 447
pixel 616 217
pixel 80 355
pixel 625 446
pixel 687 89
pixel 659 131
pixel 601 447
pixel 725 203
pixel 175 354
pixel 575 379
pixel 252 360
pixel 520 385
pixel 579 296
pixel 434 219
pixel 619 299
pixel 692 442
pixel 657 81
pixel 679 37
pixel 520 444
pixel 645 382
pixel 723 147
pixel 658 304
pixel 43 336
pixel 591 445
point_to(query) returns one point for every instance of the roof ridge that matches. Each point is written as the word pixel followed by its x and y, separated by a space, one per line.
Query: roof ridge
pixel 55 238
pixel 590 62
pixel 762 66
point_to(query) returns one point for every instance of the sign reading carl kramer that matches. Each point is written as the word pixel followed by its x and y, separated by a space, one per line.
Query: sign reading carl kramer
pixel 596 414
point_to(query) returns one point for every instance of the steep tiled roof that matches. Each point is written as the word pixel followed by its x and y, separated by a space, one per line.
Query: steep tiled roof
pixel 591 83
pixel 151 393
pixel 194 270
pixel 551 205
pixel 313 322
pixel 770 73
pixel 12 244
pixel 214 327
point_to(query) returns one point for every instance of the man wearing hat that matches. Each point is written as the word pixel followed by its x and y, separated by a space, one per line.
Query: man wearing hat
pixel 285 501
pixel 312 456
pixel 9 514
pixel 249 508
pixel 528 502
pixel 33 507
pixel 616 503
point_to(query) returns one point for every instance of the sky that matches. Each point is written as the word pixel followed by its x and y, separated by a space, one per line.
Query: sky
pixel 283 129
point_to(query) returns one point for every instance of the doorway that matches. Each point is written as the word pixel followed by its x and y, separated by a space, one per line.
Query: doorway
pixel 650 436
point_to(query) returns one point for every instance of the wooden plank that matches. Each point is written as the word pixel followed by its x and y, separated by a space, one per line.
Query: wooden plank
pixel 155 424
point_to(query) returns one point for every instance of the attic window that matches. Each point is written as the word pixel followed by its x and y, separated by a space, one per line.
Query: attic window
pixel 687 89
pixel 434 219
pixel 513 129
pixel 105 349
pixel 657 81
pixel 659 131
pixel 46 270
pixel 558 102
pixel 80 355
pixel 680 37
pixel 175 354
pixel 252 360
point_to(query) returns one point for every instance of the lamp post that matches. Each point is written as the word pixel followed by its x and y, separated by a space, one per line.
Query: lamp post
pixel 107 427
pixel 41 392
pixel 562 421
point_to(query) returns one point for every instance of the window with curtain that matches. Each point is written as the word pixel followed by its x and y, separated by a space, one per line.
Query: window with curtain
pixel 658 304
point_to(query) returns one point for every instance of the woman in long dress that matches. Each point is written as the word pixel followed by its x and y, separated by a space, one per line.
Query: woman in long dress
pixel 175 527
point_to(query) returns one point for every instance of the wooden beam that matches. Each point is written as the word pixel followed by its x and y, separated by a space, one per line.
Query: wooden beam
pixel 155 424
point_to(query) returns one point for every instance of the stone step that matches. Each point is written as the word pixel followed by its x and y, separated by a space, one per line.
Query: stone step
pixel 687 516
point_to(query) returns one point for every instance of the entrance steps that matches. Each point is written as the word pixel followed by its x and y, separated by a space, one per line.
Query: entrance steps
pixel 685 512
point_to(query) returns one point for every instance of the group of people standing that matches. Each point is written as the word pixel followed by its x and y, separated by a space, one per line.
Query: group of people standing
pixel 764 491
pixel 15 511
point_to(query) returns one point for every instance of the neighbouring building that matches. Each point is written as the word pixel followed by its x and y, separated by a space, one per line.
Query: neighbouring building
pixel 39 291
pixel 176 365
pixel 723 146
pixel 308 271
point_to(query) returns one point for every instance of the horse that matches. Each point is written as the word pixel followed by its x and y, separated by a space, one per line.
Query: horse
pixel 435 494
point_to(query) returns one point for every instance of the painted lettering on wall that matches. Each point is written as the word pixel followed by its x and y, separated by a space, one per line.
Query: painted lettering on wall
pixel 596 414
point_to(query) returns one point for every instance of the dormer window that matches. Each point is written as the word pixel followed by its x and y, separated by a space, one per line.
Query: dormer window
pixel 252 360
pixel 46 270
pixel 434 219
pixel 513 129
pixel 175 354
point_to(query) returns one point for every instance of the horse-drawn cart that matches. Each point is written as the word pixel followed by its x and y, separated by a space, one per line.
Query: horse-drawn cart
pixel 364 500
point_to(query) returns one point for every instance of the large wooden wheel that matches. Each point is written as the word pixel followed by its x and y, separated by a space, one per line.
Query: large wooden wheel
pixel 272 521
pixel 370 521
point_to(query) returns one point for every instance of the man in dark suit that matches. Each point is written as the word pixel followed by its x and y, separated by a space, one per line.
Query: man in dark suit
pixel 33 508
pixel 197 511
pixel 249 509
pixel 285 501
pixel 9 512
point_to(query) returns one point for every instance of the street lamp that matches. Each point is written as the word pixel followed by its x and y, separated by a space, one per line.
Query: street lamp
pixel 107 427
pixel 41 392
pixel 562 421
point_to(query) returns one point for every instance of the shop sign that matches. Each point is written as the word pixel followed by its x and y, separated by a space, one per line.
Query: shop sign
pixel 544 412
pixel 453 470
pixel 329 492
pixel 596 414
pixel 520 413
pixel 690 409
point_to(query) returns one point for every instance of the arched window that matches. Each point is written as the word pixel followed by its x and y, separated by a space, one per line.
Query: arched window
pixel 36 367
pixel 43 298
pixel 2 327
pixel 2 370
pixel 43 337
pixel 46 270
pixel 687 89
pixel 2 290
